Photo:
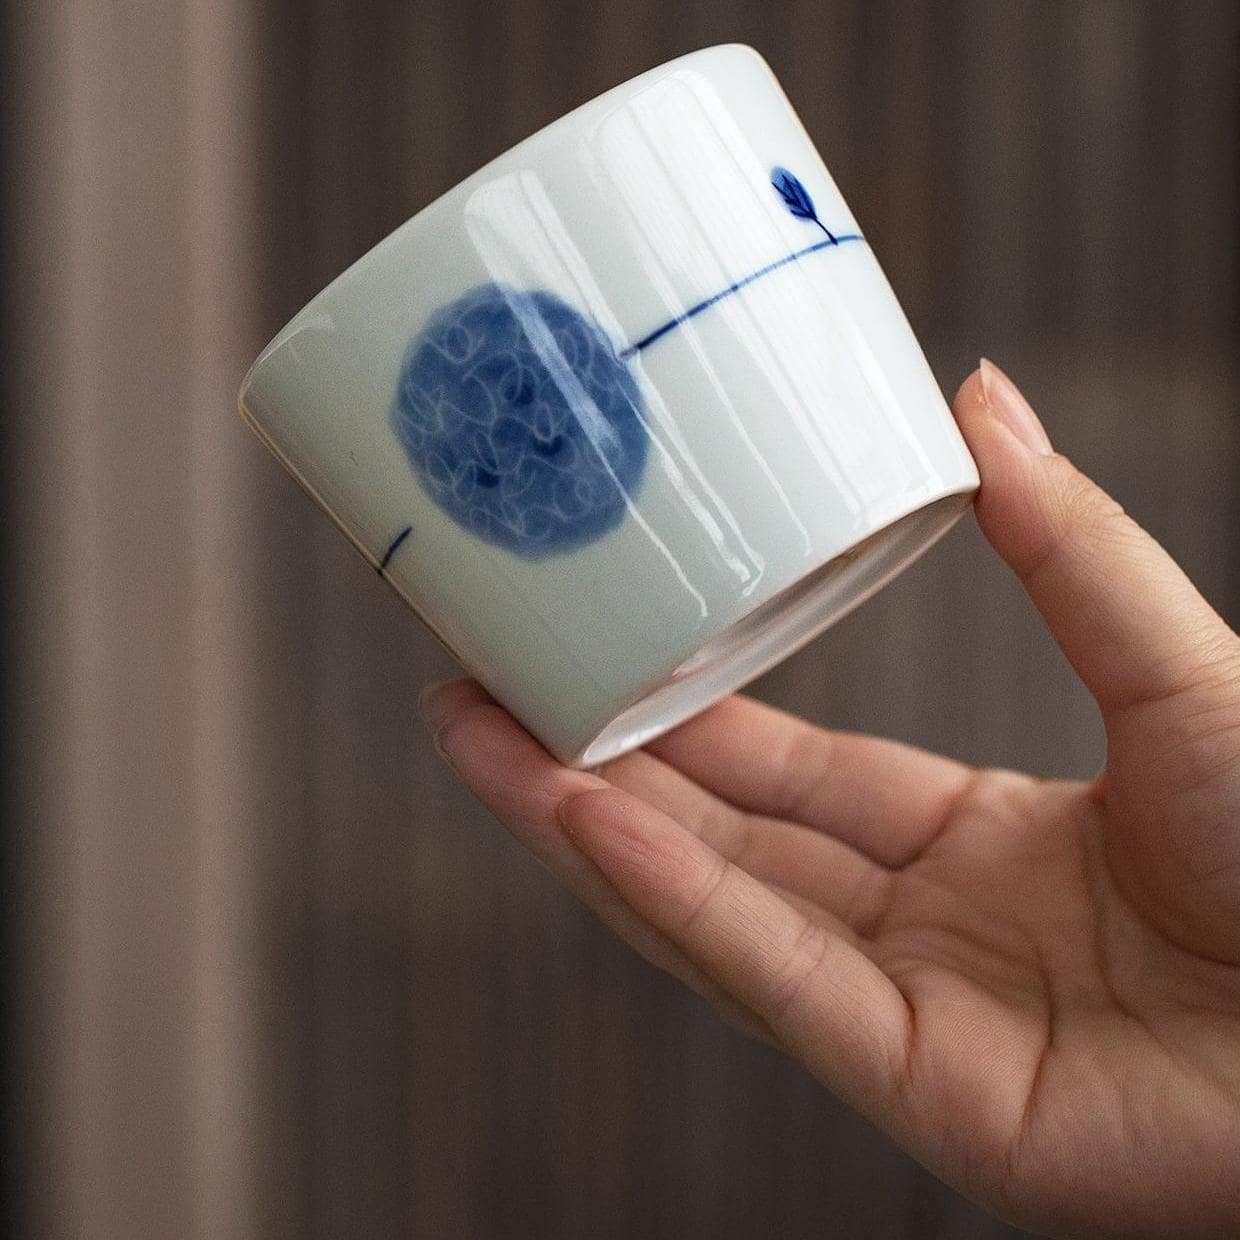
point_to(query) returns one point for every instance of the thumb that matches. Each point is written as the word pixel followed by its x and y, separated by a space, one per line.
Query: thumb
pixel 1129 620
pixel 1161 663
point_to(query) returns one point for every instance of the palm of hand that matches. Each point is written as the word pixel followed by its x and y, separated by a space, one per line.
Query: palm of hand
pixel 1093 1061
pixel 1034 987
pixel 964 966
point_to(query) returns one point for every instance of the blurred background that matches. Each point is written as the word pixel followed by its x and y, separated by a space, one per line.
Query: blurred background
pixel 271 972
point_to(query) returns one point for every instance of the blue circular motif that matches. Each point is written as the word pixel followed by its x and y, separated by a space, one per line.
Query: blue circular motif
pixel 520 420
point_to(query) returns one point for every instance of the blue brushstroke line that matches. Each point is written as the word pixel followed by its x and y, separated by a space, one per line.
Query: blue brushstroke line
pixel 831 237
pixel 733 288
pixel 391 551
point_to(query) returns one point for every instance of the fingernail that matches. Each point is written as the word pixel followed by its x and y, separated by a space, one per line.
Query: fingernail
pixel 437 719
pixel 441 747
pixel 1005 401
pixel 561 816
pixel 430 709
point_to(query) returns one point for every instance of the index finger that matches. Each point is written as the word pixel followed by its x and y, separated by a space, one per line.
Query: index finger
pixel 883 798
pixel 830 1005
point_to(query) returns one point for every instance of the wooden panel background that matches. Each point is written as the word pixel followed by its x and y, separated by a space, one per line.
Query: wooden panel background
pixel 274 973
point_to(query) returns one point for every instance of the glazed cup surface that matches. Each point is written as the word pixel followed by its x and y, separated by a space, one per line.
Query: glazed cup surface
pixel 629 414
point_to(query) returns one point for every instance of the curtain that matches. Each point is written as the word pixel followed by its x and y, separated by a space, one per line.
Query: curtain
pixel 273 972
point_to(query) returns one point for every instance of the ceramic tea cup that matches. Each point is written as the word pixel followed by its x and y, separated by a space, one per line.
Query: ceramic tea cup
pixel 628 415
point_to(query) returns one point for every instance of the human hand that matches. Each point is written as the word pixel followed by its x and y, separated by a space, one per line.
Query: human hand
pixel 1033 986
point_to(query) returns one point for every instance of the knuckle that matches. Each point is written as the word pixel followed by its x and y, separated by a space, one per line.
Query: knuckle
pixel 1078 518
pixel 713 889
pixel 1082 503
pixel 802 967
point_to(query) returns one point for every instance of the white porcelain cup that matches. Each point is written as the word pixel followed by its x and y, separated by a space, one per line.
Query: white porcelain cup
pixel 629 414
